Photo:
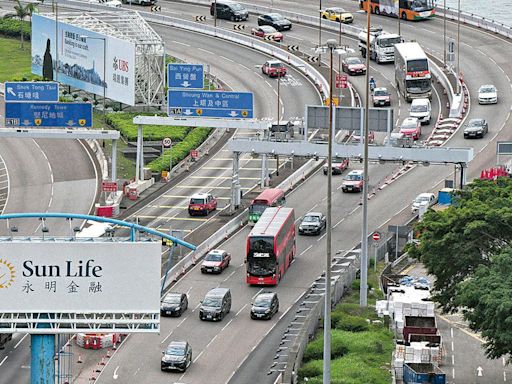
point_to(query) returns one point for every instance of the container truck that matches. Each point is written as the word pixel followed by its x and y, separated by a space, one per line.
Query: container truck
pixel 419 373
pixel 382 45
pixel 419 325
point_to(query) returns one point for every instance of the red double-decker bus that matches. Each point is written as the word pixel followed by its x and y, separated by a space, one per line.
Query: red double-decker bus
pixel 271 246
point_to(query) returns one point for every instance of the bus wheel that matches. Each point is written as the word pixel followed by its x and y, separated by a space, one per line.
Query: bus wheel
pixel 377 11
pixel 404 16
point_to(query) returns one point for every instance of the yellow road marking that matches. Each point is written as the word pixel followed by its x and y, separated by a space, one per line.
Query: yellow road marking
pixel 188 197
pixel 461 329
pixel 171 218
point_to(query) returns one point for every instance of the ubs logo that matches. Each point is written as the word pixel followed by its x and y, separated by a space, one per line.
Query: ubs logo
pixel 7 274
pixel 120 64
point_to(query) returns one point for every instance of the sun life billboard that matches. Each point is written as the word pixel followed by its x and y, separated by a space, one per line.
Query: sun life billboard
pixel 80 59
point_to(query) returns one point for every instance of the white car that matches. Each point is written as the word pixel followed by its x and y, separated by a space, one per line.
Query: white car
pixel 422 198
pixel 111 3
pixel 422 110
pixel 487 94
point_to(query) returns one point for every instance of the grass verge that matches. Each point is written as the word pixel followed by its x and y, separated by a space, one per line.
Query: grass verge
pixel 15 63
pixel 360 349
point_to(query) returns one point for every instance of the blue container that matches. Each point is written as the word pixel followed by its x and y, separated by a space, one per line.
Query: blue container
pixel 445 196
pixel 415 373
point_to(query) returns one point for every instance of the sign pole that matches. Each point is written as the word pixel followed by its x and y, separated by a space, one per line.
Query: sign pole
pixel 114 161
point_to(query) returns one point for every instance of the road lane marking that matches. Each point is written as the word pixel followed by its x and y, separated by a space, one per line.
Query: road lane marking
pixel 338 223
pixel 321 237
pixel 452 347
pixel 257 293
pixel 180 43
pixel 451 332
pixel 188 197
pixel 453 359
pixel 168 206
pixel 241 309
pixel 203 187
pixel 307 249
pixel 21 340
pixel 205 50
pixel 3 360
pixel 222 177
pixel 453 373
pixel 211 341
pixel 227 58
pixel 227 324
pixel 229 276
pixel 115 375
pixel 171 218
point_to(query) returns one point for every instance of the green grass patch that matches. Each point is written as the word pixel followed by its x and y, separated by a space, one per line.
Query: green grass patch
pixel 15 63
pixel 123 122
pixel 360 349
pixel 13 28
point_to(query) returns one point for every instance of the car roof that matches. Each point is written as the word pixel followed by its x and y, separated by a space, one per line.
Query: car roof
pixel 477 120
pixel 487 86
pixel 268 28
pixel 274 61
pixel 425 194
pixel 173 294
pixel 200 195
pixel 273 14
pixel 420 101
pixel 383 89
pixel 178 343
pixel 356 172
pixel 410 120
pixel 335 9
pixel 217 292
pixel 266 295
pixel 313 214
pixel 218 251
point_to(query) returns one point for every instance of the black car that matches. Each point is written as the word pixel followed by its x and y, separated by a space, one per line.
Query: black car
pixel 265 306
pixel 177 356
pixel 313 223
pixel 275 20
pixel 476 128
pixel 174 304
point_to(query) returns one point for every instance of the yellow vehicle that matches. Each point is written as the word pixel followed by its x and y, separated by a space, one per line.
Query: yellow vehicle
pixel 337 14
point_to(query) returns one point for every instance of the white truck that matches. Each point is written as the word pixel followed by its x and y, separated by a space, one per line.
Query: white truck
pixel 382 45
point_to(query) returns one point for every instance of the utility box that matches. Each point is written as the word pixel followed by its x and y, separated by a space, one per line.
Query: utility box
pixel 445 196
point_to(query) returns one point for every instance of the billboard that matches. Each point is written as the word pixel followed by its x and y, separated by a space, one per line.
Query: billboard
pixel 80 59
pixel 78 277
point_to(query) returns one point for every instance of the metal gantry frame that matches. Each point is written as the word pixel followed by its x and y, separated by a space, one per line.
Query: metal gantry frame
pixel 149 48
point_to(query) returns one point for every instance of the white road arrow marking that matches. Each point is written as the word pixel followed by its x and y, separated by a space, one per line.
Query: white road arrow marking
pixel 115 376
pixel 9 90
pixel 479 371
pixel 185 84
pixel 233 114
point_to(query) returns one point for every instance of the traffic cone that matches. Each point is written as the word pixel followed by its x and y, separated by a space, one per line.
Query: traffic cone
pixel 79 361
pixel 98 368
pixel 102 360
pixel 183 270
pixel 226 235
pixel 114 347
pixel 241 223
pixel 482 174
pixel 206 151
pixel 193 260
pixel 93 377
pixel 108 353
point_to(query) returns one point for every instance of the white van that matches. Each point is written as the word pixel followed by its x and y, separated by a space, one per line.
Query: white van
pixel 422 110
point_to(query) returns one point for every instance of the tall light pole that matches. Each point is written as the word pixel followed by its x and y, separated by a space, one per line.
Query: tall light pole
pixel 215 14
pixel 458 46
pixel 331 45
pixel 104 67
pixel 320 31
pixel 398 17
pixel 278 127
pixel 444 34
pixel 363 289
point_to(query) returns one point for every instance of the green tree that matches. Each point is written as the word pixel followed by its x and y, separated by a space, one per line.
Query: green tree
pixel 487 299
pixel 21 12
pixel 453 243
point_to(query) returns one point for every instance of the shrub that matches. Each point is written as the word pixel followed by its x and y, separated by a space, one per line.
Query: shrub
pixel 352 323
pixel 123 122
pixel 315 349
pixel 310 370
pixel 11 28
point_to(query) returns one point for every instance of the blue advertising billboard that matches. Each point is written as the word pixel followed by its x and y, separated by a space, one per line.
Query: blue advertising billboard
pixel 188 76
pixel 26 91
pixel 84 59
pixel 210 104
pixel 66 115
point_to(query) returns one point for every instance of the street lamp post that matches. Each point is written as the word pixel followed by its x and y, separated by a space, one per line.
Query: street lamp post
pixel 458 46
pixel 444 34
pixel 278 127
pixel 363 290
pixel 320 31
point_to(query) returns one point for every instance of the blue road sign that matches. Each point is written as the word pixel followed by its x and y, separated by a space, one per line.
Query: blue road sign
pixel 188 76
pixel 210 103
pixel 32 92
pixel 66 115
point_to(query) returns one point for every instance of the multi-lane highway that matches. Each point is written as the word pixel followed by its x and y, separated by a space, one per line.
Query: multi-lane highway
pixel 220 348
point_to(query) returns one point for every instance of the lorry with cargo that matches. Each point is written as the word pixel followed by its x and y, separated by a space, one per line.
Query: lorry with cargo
pixel 419 325
pixel 419 373
pixel 382 45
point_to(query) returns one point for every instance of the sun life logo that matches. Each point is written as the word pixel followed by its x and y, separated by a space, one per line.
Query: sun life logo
pixel 7 274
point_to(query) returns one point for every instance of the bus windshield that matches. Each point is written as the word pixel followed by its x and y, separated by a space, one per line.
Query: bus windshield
pixel 420 5
pixel 386 43
pixel 261 259
pixel 417 65
pixel 257 208
pixel 418 85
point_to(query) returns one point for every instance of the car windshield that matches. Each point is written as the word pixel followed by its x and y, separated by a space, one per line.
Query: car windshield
pixel 212 302
pixel 354 60
pixel 276 16
pixel 213 257
pixel 257 208
pixel 311 219
pixel 197 201
pixel 263 301
pixel 268 29
pixel 419 108
pixel 353 177
pixel 475 123
pixel 336 10
pixel 275 65
pixel 409 125
pixel 237 7
pixel 487 90
pixel 420 199
pixel 385 43
pixel 380 92
pixel 175 350
pixel 174 299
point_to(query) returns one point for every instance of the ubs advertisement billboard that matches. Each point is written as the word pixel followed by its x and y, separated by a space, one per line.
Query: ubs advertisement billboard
pixel 80 277
pixel 80 60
